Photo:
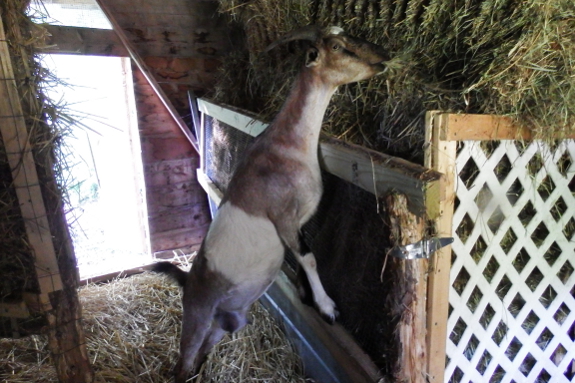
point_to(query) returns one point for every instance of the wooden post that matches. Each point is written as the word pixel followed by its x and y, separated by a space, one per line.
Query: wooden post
pixel 440 198
pixel 409 293
pixel 53 257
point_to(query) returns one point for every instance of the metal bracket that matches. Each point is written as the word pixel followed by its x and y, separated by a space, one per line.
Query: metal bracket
pixel 421 249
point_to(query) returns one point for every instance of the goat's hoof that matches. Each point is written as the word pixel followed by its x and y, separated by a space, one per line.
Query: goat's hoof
pixel 330 318
pixel 328 310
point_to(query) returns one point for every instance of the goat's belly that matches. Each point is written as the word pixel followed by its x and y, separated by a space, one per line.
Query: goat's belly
pixel 242 247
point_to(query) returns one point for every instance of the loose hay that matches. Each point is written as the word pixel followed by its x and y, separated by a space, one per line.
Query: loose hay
pixel 132 327
pixel 514 58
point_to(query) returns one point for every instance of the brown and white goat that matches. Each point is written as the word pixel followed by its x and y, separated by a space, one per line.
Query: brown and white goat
pixel 273 192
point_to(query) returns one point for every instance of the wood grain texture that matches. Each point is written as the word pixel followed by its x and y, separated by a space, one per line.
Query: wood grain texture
pixel 409 295
pixel 84 41
pixel 440 157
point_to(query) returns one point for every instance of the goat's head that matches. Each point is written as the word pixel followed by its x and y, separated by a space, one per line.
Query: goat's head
pixel 338 57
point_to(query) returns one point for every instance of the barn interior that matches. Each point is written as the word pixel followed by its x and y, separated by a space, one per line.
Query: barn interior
pixel 192 71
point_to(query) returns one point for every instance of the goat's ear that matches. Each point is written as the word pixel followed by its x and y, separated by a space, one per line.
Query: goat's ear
pixel 312 57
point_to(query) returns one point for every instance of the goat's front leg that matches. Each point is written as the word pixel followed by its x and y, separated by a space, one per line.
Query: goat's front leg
pixel 306 259
pixel 325 305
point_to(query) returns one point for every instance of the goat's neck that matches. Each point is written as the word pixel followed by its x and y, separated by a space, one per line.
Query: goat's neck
pixel 298 124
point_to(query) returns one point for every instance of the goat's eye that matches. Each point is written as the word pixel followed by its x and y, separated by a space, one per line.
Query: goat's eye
pixel 336 47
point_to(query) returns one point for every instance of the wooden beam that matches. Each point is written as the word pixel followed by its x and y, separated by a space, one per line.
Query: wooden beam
pixel 147 73
pixel 373 171
pixel 25 178
pixel 82 41
pixel 440 156
pixel 483 127
pixel 66 339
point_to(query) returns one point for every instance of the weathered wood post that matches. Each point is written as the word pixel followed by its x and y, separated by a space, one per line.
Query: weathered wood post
pixel 409 303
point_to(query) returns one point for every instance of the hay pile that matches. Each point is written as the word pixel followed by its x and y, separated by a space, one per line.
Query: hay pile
pixel 509 57
pixel 132 328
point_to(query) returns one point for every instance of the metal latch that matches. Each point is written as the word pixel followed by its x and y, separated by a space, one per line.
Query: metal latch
pixel 421 249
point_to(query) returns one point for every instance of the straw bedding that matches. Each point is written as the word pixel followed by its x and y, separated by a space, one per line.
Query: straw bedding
pixel 510 57
pixel 132 328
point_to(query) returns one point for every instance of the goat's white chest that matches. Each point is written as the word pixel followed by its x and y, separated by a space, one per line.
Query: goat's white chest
pixel 243 247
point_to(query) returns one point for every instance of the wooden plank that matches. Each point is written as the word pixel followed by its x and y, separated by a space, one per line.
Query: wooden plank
pixel 116 274
pixel 481 127
pixel 14 310
pixel 25 178
pixel 180 218
pixel 440 156
pixel 146 72
pixel 210 188
pixel 177 239
pixel 235 117
pixel 167 7
pixel 375 172
pixel 157 148
pixel 171 172
pixel 82 41
pixel 168 197
pixel 328 352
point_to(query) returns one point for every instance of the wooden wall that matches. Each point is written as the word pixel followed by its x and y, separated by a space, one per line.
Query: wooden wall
pixel 177 205
pixel 181 41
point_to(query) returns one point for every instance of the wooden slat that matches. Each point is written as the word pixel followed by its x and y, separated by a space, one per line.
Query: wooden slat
pixel 82 41
pixel 168 197
pixel 171 172
pixel 210 188
pixel 375 172
pixel 176 239
pixel 146 72
pixel 180 218
pixel 14 310
pixel 167 7
pixel 440 156
pixel 480 127
pixel 237 118
pixel 25 178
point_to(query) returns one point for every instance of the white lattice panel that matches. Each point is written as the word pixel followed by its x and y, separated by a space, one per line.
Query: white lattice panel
pixel 512 295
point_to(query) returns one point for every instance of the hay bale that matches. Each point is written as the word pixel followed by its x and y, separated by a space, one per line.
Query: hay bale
pixel 132 328
pixel 480 56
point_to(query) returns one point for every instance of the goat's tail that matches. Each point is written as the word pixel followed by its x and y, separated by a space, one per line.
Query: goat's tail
pixel 171 270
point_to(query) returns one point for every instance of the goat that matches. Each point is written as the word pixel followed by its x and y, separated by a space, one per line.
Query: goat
pixel 275 190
